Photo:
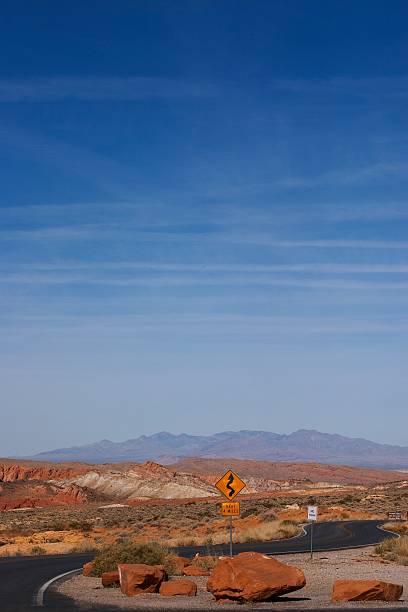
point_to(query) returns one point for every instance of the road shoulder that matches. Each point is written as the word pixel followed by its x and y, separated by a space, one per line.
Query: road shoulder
pixel 320 574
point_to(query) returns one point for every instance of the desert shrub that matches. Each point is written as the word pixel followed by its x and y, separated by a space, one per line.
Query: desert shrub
pixel 401 528
pixel 207 562
pixel 394 549
pixel 80 525
pixel 38 550
pixel 151 554
pixel 273 530
pixel 56 526
pixel 84 547
pixel 54 539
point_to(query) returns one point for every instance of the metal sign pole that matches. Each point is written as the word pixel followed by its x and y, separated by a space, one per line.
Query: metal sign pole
pixel 311 540
pixel 230 530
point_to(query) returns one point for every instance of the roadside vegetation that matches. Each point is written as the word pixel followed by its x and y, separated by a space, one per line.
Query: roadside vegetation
pixel 394 549
pixel 90 527
pixel 153 553
pixel 262 531
pixel 401 528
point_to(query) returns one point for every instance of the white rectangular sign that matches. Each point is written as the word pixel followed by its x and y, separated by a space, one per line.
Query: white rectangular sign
pixel 312 513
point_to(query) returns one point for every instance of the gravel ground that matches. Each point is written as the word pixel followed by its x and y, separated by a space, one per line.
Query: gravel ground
pixel 320 574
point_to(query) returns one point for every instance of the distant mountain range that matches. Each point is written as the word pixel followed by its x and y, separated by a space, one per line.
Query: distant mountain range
pixel 300 446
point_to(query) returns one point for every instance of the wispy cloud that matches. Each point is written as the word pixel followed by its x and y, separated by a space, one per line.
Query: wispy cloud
pixel 348 176
pixel 395 87
pixel 322 244
pixel 212 235
pixel 94 88
pixel 250 326
pixel 156 211
pixel 213 277
pixel 212 268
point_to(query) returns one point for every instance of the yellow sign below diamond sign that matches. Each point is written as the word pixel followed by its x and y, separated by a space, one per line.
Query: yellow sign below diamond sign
pixel 230 509
pixel 230 484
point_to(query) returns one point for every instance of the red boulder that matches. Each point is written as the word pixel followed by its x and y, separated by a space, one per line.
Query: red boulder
pixel 110 579
pixel 139 578
pixel 252 576
pixel 366 590
pixel 188 588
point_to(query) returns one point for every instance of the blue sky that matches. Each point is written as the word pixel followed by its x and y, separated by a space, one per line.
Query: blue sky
pixel 203 219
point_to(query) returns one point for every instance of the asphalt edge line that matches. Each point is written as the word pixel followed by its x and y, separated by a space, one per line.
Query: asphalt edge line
pixel 396 534
pixel 38 598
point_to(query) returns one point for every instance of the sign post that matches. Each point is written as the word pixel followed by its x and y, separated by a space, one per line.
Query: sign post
pixel 230 485
pixel 312 517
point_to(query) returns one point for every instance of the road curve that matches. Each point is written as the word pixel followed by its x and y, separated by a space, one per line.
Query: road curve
pixel 21 577
pixel 333 535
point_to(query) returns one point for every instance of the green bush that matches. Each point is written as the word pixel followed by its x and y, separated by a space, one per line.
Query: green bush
pixel 126 552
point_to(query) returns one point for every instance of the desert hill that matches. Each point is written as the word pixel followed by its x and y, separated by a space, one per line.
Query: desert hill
pixel 282 471
pixel 34 484
pixel 300 446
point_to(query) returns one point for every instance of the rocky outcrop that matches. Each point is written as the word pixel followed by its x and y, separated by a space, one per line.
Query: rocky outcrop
pixel 147 481
pixel 366 590
pixel 252 576
pixel 71 494
pixel 182 587
pixel 140 578
pixel 33 494
pixel 12 472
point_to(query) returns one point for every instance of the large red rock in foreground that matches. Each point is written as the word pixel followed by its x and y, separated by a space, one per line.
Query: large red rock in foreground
pixel 366 590
pixel 252 576
pixel 140 578
pixel 185 587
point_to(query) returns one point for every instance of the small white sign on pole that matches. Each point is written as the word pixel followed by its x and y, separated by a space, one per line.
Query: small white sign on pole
pixel 312 513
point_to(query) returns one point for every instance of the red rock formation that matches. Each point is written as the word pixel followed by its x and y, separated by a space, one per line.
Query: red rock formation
pixel 180 563
pixel 110 579
pixel 188 588
pixel 253 577
pixel 140 578
pixel 366 590
pixel 15 471
pixel 71 495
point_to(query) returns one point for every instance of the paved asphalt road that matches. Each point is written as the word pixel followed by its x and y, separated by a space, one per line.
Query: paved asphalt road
pixel 326 536
pixel 21 577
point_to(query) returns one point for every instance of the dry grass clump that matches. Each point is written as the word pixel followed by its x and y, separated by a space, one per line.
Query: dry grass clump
pixel 273 530
pixel 401 528
pixel 153 553
pixel 38 550
pixel 394 549
pixel 207 562
pixel 83 547
pixel 268 530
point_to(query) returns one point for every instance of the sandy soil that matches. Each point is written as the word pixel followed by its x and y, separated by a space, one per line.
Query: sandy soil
pixel 320 574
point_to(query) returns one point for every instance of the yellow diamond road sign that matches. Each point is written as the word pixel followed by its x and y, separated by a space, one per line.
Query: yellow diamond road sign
pixel 230 484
